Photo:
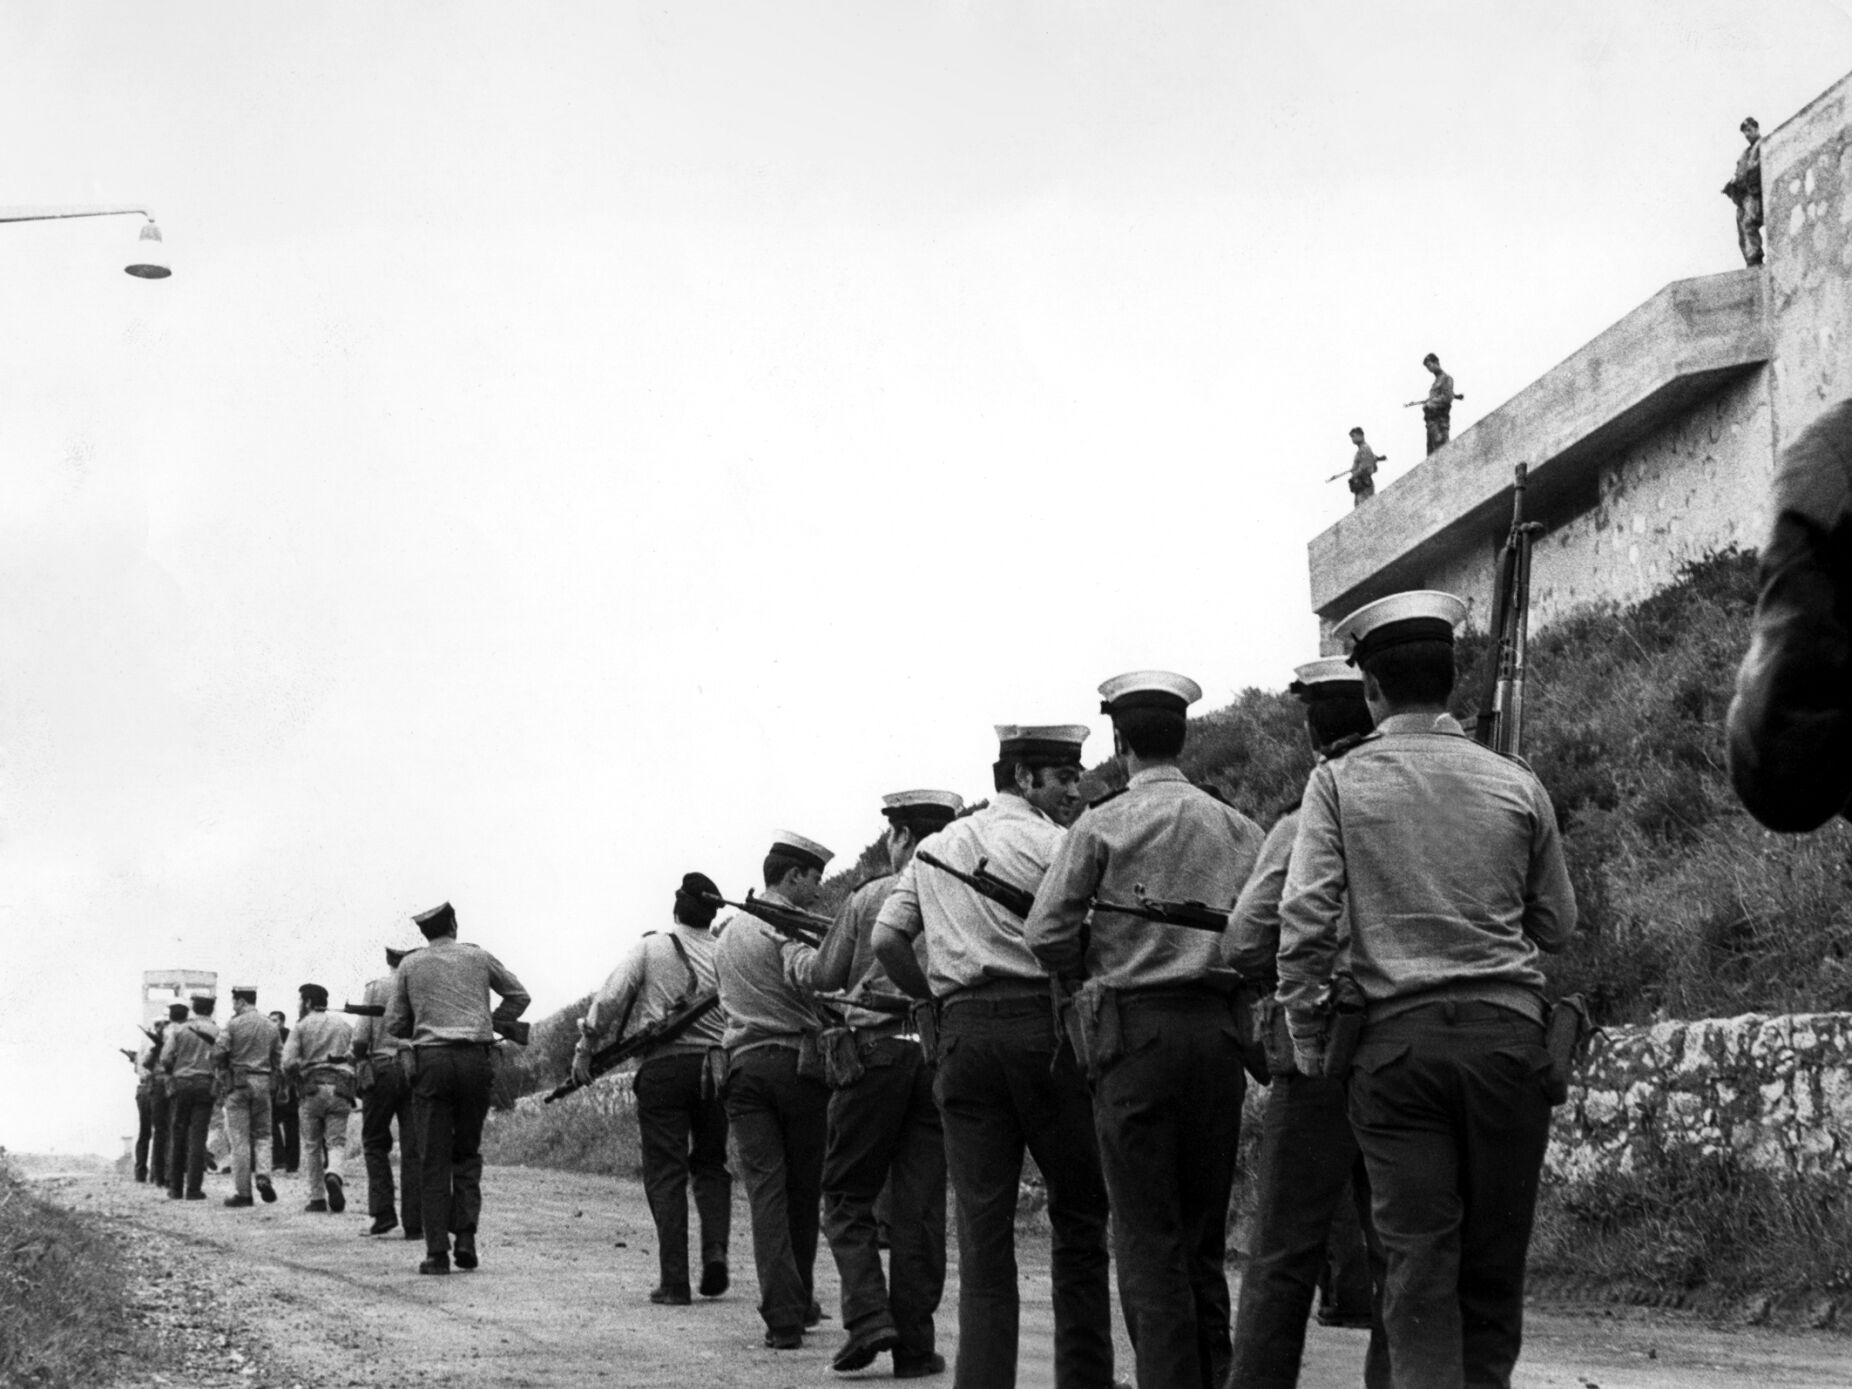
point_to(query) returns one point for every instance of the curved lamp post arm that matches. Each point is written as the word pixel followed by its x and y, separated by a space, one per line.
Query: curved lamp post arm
pixel 150 260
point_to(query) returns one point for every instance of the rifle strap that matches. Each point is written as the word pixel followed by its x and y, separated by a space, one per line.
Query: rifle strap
pixel 694 980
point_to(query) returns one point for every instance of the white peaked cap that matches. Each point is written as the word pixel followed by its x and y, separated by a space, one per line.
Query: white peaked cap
pixel 1422 614
pixel 910 800
pixel 784 841
pixel 1149 689
pixel 1328 670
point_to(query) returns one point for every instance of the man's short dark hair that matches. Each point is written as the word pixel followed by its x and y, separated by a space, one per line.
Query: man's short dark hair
pixel 922 820
pixel 248 995
pixel 1416 672
pixel 314 995
pixel 1152 732
pixel 1339 716
pixel 204 1004
pixel 778 866
pixel 1003 773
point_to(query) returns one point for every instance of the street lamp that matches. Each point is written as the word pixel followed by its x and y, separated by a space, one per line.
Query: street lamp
pixel 150 259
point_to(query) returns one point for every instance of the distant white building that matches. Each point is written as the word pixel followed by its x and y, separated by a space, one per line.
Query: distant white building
pixel 1652 445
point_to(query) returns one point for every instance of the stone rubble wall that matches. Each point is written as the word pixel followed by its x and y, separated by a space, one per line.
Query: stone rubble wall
pixel 1774 1093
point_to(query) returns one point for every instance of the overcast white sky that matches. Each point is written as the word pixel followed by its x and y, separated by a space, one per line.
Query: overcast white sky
pixel 580 439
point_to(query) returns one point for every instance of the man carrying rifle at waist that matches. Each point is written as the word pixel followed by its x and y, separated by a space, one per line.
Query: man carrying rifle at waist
pixel 681 1117
pixel 440 1004
pixel 884 1126
pixel 1309 1175
pixel 1441 862
pixel 1167 1090
pixel 777 1102
pixel 1003 1085
pixel 382 1074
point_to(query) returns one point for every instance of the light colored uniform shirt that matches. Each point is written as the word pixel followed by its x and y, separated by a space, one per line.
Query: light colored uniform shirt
pixel 650 983
pixel 1440 397
pixel 320 1041
pixel 249 1044
pixel 1365 461
pixel 762 1005
pixel 188 1049
pixel 1252 939
pixel 371 1040
pixel 441 995
pixel 1182 845
pixel 1446 858
pixel 847 961
pixel 971 940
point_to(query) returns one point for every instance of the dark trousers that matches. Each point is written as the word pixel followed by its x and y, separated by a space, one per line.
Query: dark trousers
pixel 683 1133
pixel 1003 1086
pixel 189 1116
pixel 886 1125
pixel 1309 1172
pixel 1169 1116
pixel 1449 1107
pixel 451 1101
pixel 1439 427
pixel 285 1129
pixel 144 1130
pixel 160 1137
pixel 386 1101
pixel 779 1121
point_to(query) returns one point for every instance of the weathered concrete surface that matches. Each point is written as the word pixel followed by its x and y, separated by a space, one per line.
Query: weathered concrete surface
pixel 1807 232
pixel 1770 1093
pixel 1682 345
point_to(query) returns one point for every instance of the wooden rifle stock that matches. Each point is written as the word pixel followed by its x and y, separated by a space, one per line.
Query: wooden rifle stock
pixel 1500 725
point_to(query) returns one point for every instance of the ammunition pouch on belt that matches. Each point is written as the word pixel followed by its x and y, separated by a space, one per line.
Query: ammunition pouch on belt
pixel 1566 1036
pixel 1093 1028
pixel 842 1057
pixel 926 1023
pixel 810 1057
pixel 1344 1026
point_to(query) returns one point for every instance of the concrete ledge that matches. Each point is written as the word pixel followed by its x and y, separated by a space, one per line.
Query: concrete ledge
pixel 1684 343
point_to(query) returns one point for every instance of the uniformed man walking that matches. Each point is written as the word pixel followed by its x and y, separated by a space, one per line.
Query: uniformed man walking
pixel 1309 1168
pixel 186 1059
pixel 319 1059
pixel 1003 1083
pixel 285 1124
pixel 885 1129
pixel 247 1054
pixel 779 1113
pixel 151 1109
pixel 681 1118
pixel 440 1004
pixel 1168 1107
pixel 1448 1089
pixel 382 1077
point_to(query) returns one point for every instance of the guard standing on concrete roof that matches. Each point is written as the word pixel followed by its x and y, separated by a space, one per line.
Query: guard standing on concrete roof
pixel 1003 1085
pixel 885 1128
pixel 1449 1085
pixel 1745 190
pixel 1437 405
pixel 777 1103
pixel 1362 470
pixel 1309 1176
pixel 681 1116
pixel 1168 1103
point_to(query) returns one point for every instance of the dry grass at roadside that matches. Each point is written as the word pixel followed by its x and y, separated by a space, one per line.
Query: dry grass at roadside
pixel 591 1130
pixel 63 1318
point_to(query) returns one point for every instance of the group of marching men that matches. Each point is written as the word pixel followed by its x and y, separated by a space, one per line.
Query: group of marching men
pixel 419 1058
pixel 1095 987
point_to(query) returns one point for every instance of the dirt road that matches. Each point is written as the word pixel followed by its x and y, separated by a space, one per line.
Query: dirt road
pixel 275 1296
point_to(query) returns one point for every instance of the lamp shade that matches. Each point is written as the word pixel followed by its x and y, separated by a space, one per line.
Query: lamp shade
pixel 150 259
